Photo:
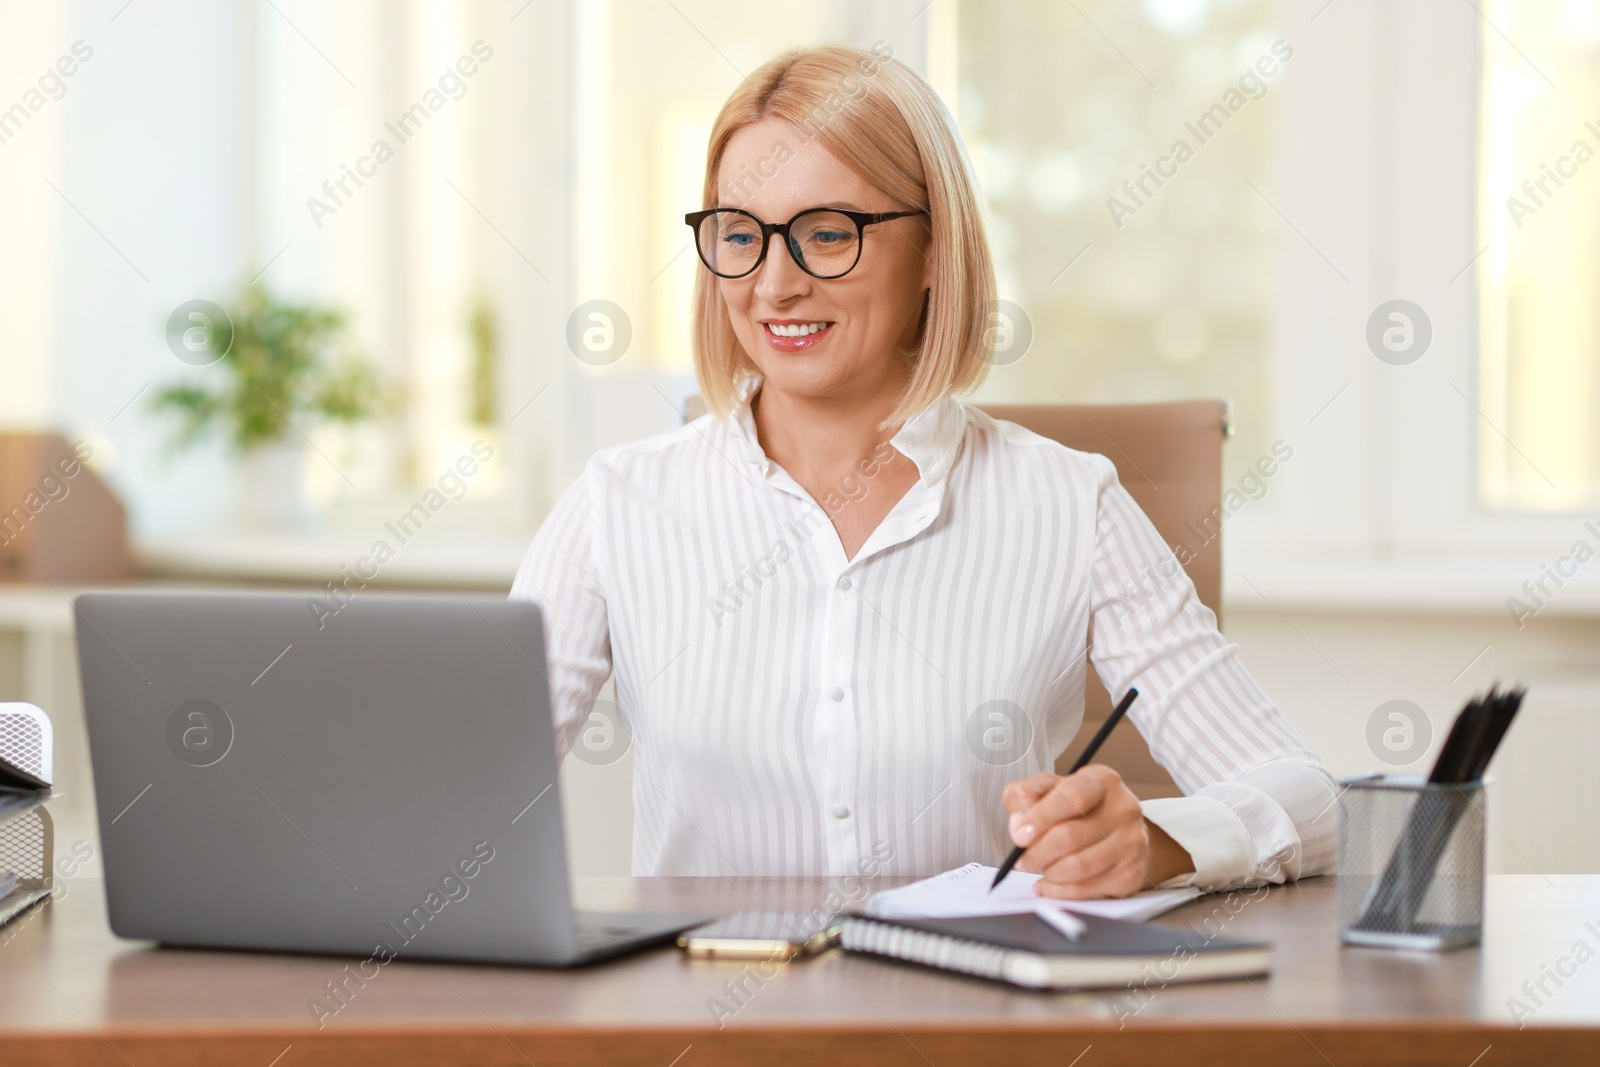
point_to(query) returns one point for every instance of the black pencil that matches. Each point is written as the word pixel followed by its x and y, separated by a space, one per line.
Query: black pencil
pixel 1083 761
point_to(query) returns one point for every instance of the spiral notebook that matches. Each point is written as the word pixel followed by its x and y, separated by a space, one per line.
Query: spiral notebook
pixel 964 891
pixel 1028 951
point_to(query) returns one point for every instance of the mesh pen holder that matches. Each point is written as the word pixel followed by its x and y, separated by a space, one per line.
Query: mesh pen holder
pixel 1410 862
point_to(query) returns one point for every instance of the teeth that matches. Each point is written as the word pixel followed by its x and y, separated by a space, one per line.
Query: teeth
pixel 799 330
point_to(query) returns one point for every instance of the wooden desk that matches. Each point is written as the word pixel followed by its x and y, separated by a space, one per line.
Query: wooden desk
pixel 70 993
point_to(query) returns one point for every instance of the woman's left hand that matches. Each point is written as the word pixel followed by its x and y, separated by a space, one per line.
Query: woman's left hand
pixel 1087 837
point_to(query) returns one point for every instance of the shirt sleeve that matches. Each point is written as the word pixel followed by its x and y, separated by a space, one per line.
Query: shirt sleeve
pixel 1259 803
pixel 560 573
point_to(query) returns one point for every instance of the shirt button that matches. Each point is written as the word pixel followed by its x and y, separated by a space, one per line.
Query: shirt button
pixel 841 812
pixel 844 581
pixel 836 693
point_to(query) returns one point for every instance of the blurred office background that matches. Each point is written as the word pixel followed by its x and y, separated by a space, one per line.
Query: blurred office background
pixel 515 272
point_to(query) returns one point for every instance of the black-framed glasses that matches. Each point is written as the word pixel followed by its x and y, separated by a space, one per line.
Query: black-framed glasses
pixel 824 241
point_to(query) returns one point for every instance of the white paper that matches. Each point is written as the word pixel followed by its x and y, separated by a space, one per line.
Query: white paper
pixel 965 892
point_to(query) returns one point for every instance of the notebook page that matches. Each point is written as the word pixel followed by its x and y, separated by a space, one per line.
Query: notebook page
pixel 964 891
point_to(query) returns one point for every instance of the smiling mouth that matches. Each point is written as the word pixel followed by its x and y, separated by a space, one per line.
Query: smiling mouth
pixel 793 336
pixel 798 329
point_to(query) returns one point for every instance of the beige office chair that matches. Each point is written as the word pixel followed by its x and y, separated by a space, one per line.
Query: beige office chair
pixel 1169 458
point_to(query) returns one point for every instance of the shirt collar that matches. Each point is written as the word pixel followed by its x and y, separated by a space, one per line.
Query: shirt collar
pixel 930 439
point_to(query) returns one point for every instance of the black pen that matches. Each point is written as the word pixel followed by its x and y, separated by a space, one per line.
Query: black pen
pixel 1083 761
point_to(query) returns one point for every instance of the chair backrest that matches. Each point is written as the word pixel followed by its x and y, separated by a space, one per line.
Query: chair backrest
pixel 1169 458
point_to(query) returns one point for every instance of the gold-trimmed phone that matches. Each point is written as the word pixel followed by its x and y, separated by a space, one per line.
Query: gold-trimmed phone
pixel 763 935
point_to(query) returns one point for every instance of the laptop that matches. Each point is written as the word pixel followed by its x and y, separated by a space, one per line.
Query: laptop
pixel 371 775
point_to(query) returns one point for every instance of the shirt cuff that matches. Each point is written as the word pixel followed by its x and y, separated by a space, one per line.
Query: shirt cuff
pixel 1212 833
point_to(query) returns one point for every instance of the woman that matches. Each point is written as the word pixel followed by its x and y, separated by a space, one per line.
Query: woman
pixel 808 596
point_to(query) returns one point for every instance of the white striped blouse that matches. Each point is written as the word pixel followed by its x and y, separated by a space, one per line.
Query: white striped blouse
pixel 794 712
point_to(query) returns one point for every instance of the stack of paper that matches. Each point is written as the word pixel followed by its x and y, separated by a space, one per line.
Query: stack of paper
pixel 965 892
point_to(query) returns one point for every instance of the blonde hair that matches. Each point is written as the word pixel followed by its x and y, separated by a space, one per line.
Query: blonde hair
pixel 881 119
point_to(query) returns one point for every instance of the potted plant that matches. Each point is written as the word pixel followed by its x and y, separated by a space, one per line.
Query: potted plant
pixel 289 368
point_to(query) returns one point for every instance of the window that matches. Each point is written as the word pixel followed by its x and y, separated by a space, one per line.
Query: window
pixel 1407 484
pixel 1126 154
pixel 381 189
pixel 1539 223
